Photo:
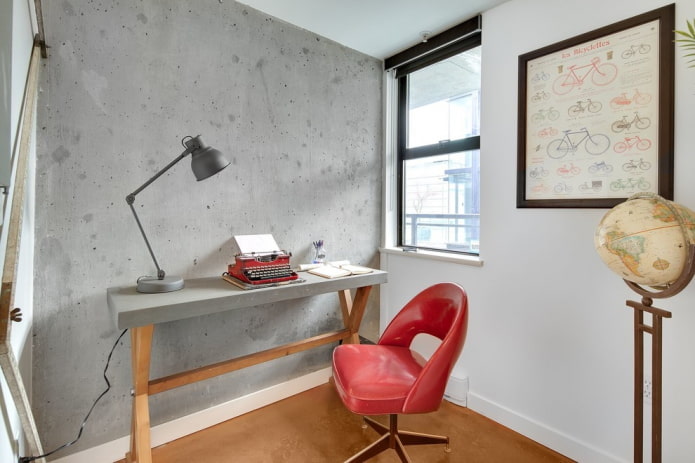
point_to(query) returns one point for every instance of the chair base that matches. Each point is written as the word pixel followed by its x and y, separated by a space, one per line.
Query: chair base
pixel 392 438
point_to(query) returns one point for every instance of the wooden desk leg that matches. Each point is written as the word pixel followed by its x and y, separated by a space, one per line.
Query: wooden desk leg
pixel 356 313
pixel 141 347
pixel 345 306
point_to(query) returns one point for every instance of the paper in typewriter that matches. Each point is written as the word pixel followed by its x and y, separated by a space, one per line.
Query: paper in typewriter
pixel 258 244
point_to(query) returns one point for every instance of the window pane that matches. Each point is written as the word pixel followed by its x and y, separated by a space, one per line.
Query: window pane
pixel 441 201
pixel 444 100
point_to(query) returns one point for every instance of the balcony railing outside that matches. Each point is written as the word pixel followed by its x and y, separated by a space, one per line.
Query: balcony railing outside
pixel 451 232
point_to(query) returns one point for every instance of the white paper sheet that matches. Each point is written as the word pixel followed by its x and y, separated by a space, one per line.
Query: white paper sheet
pixel 256 243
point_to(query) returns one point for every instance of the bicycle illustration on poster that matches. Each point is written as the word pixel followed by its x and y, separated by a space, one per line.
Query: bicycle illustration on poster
pixel 596 116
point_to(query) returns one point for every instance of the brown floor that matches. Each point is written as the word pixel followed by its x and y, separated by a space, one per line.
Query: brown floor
pixel 314 427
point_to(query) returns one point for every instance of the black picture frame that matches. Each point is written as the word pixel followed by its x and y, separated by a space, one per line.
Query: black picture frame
pixel 595 115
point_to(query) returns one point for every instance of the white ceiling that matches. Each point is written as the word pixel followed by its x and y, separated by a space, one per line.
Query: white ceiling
pixel 379 28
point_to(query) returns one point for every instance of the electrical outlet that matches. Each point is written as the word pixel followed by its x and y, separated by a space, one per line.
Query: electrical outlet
pixel 647 390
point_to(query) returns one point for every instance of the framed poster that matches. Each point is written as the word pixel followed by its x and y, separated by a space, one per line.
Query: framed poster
pixel 595 119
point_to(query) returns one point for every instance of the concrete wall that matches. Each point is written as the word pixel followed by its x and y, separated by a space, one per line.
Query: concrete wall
pixel 550 349
pixel 300 118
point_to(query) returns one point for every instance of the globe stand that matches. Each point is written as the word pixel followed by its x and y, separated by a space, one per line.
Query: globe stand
pixel 640 328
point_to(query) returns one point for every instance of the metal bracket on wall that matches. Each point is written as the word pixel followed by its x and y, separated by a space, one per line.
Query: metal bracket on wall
pixel 40 38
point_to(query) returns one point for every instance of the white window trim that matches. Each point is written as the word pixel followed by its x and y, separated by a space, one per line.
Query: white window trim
pixel 463 259
pixel 390 184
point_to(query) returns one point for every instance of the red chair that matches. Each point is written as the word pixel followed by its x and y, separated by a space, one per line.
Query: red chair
pixel 390 379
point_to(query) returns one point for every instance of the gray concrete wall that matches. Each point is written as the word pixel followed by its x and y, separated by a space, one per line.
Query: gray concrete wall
pixel 300 118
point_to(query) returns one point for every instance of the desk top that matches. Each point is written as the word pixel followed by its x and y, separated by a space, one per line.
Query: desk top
pixel 202 296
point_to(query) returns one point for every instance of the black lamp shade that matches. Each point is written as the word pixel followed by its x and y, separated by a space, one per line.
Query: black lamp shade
pixel 206 162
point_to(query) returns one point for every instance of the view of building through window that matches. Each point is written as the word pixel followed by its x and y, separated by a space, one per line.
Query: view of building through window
pixel 443 120
pixel 441 206
pixel 441 202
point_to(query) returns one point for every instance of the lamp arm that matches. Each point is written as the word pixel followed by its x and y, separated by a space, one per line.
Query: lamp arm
pixel 160 273
pixel 130 199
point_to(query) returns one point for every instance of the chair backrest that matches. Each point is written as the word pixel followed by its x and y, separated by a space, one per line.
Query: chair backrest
pixel 441 311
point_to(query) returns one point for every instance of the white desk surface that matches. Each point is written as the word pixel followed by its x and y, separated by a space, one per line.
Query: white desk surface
pixel 202 296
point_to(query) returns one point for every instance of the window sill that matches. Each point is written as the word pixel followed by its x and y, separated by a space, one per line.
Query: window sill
pixel 474 261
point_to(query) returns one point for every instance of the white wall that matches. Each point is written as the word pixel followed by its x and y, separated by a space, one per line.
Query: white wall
pixel 16 38
pixel 549 348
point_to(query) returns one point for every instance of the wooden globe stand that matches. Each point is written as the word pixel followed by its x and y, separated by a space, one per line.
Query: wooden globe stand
pixel 640 328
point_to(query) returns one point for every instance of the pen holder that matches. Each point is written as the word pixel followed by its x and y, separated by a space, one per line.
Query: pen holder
pixel 319 252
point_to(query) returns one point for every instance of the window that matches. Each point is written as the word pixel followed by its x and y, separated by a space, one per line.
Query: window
pixel 438 145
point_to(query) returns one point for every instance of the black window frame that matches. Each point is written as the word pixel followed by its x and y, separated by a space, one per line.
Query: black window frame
pixel 454 41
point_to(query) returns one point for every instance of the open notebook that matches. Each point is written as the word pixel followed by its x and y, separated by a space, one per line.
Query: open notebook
pixel 330 271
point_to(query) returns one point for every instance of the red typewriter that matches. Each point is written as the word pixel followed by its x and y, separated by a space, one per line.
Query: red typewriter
pixel 259 269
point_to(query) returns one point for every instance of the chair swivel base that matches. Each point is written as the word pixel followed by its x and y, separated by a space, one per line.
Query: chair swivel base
pixel 392 438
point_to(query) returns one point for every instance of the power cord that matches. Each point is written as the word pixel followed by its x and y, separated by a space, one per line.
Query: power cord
pixel 84 422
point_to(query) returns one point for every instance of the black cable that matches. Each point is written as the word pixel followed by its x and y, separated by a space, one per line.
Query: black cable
pixel 84 422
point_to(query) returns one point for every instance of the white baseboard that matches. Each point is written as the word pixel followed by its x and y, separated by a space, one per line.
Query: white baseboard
pixel 175 429
pixel 551 438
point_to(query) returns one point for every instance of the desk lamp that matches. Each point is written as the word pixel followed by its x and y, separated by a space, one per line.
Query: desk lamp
pixel 205 162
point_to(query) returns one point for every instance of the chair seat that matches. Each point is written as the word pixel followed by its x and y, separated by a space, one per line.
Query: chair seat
pixel 375 379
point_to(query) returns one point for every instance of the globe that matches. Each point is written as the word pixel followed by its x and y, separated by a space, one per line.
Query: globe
pixel 646 239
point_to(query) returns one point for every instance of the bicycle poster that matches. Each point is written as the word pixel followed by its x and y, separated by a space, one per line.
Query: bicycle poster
pixel 596 115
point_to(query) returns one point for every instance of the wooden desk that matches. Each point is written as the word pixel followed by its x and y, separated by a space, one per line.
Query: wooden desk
pixel 140 312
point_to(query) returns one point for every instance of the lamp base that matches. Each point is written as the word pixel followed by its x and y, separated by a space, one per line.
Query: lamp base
pixel 155 285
